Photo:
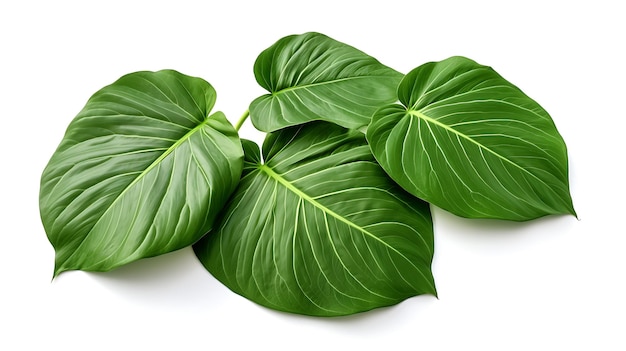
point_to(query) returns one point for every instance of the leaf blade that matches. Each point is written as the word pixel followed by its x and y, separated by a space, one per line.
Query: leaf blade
pixel 472 143
pixel 327 233
pixel 111 193
pixel 313 77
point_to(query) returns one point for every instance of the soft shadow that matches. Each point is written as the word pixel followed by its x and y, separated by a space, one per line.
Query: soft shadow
pixel 176 279
pixel 492 228
pixel 151 270
pixel 377 321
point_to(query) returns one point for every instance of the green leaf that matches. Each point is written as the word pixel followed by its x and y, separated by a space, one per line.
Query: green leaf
pixel 313 77
pixel 470 142
pixel 140 172
pixel 320 229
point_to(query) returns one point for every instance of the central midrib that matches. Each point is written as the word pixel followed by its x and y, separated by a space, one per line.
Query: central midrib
pixel 139 177
pixel 277 177
pixel 309 199
pixel 431 120
pixel 305 86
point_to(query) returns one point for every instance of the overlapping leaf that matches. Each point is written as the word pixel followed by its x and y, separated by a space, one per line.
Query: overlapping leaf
pixel 312 224
pixel 313 77
pixel 319 228
pixel 141 171
pixel 472 143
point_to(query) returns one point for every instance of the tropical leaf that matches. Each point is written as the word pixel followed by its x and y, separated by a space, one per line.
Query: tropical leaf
pixel 470 142
pixel 141 171
pixel 313 77
pixel 320 229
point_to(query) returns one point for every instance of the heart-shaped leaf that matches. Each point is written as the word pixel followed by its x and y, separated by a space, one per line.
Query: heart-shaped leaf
pixel 470 142
pixel 313 77
pixel 319 228
pixel 141 171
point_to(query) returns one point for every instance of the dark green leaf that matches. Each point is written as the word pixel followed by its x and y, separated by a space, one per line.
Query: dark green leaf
pixel 141 171
pixel 472 143
pixel 313 77
pixel 320 229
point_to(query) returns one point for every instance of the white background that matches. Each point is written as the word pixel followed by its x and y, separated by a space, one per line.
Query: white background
pixel 552 284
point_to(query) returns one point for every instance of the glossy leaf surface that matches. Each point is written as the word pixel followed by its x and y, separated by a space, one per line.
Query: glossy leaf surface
pixel 313 77
pixel 142 170
pixel 470 142
pixel 319 228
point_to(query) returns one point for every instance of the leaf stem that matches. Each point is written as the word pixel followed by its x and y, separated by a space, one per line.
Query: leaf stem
pixel 242 119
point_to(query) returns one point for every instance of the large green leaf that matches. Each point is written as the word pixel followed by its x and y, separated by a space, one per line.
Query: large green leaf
pixel 141 171
pixel 313 77
pixel 472 143
pixel 319 228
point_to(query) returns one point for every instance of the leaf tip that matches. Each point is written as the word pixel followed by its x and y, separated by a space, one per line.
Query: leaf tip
pixel 434 293
pixel 570 210
pixel 58 269
pixel 56 273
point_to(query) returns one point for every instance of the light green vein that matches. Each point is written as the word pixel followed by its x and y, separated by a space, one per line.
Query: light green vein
pixel 311 85
pixel 277 177
pixel 139 177
pixel 446 127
